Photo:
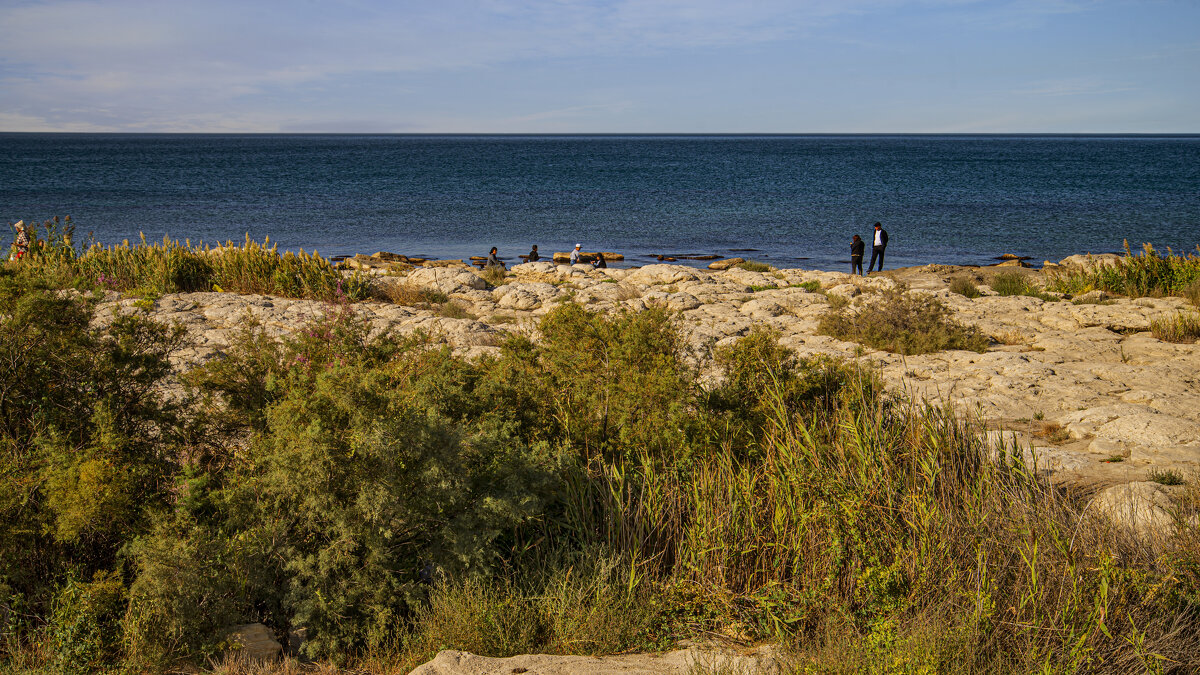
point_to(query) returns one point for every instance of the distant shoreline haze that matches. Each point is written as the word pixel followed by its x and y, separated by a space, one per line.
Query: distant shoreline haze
pixel 792 200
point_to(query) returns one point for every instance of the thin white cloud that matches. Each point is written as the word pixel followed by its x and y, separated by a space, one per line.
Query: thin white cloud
pixel 1073 87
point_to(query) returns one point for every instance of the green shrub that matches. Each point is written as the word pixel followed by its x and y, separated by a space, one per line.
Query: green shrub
pixel 1166 477
pixel 904 323
pixel 84 629
pixel 964 287
pixel 1144 274
pixel 813 286
pixel 1180 327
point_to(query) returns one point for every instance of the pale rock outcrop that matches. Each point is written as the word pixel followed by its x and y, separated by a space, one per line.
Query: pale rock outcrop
pixel 447 280
pixel 1141 507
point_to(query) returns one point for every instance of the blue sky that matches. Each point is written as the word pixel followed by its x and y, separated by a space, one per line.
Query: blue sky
pixel 560 66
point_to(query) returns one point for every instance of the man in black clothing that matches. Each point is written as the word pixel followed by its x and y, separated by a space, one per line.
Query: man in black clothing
pixel 857 248
pixel 879 246
pixel 533 255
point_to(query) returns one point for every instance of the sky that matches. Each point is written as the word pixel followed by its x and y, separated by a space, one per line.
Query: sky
pixel 601 66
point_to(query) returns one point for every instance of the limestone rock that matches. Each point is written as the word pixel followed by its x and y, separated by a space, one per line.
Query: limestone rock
pixel 447 281
pixel 725 264
pixel 1142 507
pixel 1090 261
pixel 253 642
pixel 662 274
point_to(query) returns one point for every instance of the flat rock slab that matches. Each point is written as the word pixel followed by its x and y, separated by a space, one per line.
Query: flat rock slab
pixel 678 662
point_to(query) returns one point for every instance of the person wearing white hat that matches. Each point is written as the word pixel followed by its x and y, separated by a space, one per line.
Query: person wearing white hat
pixel 575 255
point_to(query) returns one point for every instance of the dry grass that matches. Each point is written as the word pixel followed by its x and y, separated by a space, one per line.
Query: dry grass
pixel 1011 338
pixel 964 287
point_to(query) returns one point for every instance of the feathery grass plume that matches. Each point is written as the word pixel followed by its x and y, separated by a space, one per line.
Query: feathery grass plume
pixel 1135 275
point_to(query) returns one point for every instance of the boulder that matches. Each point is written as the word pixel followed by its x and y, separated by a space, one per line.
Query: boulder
pixel 1089 261
pixel 446 280
pixel 725 264
pixel 253 642
pixel 662 274
pixel 1142 508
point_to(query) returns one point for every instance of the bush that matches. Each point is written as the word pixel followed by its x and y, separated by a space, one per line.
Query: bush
pixel 903 323
pixel 1181 327
pixel 84 629
pixel 964 287
pixel 1145 274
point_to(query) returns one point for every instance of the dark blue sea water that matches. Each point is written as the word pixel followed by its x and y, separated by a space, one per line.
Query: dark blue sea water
pixel 794 200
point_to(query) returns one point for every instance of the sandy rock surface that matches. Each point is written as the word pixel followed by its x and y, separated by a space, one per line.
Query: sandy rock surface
pixel 1086 386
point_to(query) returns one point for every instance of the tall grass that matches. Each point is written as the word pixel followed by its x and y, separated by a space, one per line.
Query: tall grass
pixel 1134 275
pixel 174 267
pixel 890 520
pixel 901 322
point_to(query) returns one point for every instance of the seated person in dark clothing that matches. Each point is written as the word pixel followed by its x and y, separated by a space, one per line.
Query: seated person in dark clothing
pixel 857 248
pixel 599 262
pixel 533 255
pixel 492 260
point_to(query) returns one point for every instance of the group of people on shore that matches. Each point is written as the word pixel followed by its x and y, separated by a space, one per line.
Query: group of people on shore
pixel 534 256
pixel 858 248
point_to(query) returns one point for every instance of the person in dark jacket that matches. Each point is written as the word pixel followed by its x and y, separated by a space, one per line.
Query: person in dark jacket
pixel 599 263
pixel 878 247
pixel 857 248
pixel 533 255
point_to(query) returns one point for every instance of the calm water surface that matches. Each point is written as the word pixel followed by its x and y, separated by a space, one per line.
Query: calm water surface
pixel 793 200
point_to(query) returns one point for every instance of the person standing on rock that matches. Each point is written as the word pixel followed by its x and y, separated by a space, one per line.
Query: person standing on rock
pixel 575 255
pixel 533 255
pixel 857 248
pixel 881 241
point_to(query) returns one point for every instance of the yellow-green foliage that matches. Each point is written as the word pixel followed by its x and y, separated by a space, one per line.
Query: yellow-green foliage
pixel 1144 274
pixel 582 492
pixel 174 267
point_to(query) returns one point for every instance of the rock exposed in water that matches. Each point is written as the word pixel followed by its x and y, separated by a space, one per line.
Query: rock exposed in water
pixel 725 264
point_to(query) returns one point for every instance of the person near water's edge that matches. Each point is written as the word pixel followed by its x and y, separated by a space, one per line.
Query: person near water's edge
pixel 492 260
pixel 575 255
pixel 599 263
pixel 880 244
pixel 533 255
pixel 857 248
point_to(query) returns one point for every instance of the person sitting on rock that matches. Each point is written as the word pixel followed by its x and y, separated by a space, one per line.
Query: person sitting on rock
pixel 600 263
pixel 575 255
pixel 533 255
pixel 492 260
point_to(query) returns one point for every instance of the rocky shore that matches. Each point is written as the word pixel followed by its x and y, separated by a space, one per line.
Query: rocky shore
pixel 1081 383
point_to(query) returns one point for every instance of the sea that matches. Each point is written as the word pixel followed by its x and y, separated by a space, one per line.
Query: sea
pixel 787 200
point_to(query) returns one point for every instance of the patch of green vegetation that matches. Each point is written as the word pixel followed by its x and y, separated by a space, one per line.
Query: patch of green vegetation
pixel 1015 283
pixel 812 286
pixel 755 266
pixel 903 323
pixel 1181 327
pixel 964 287
pixel 1166 477
pixel 1146 274
pixel 174 267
